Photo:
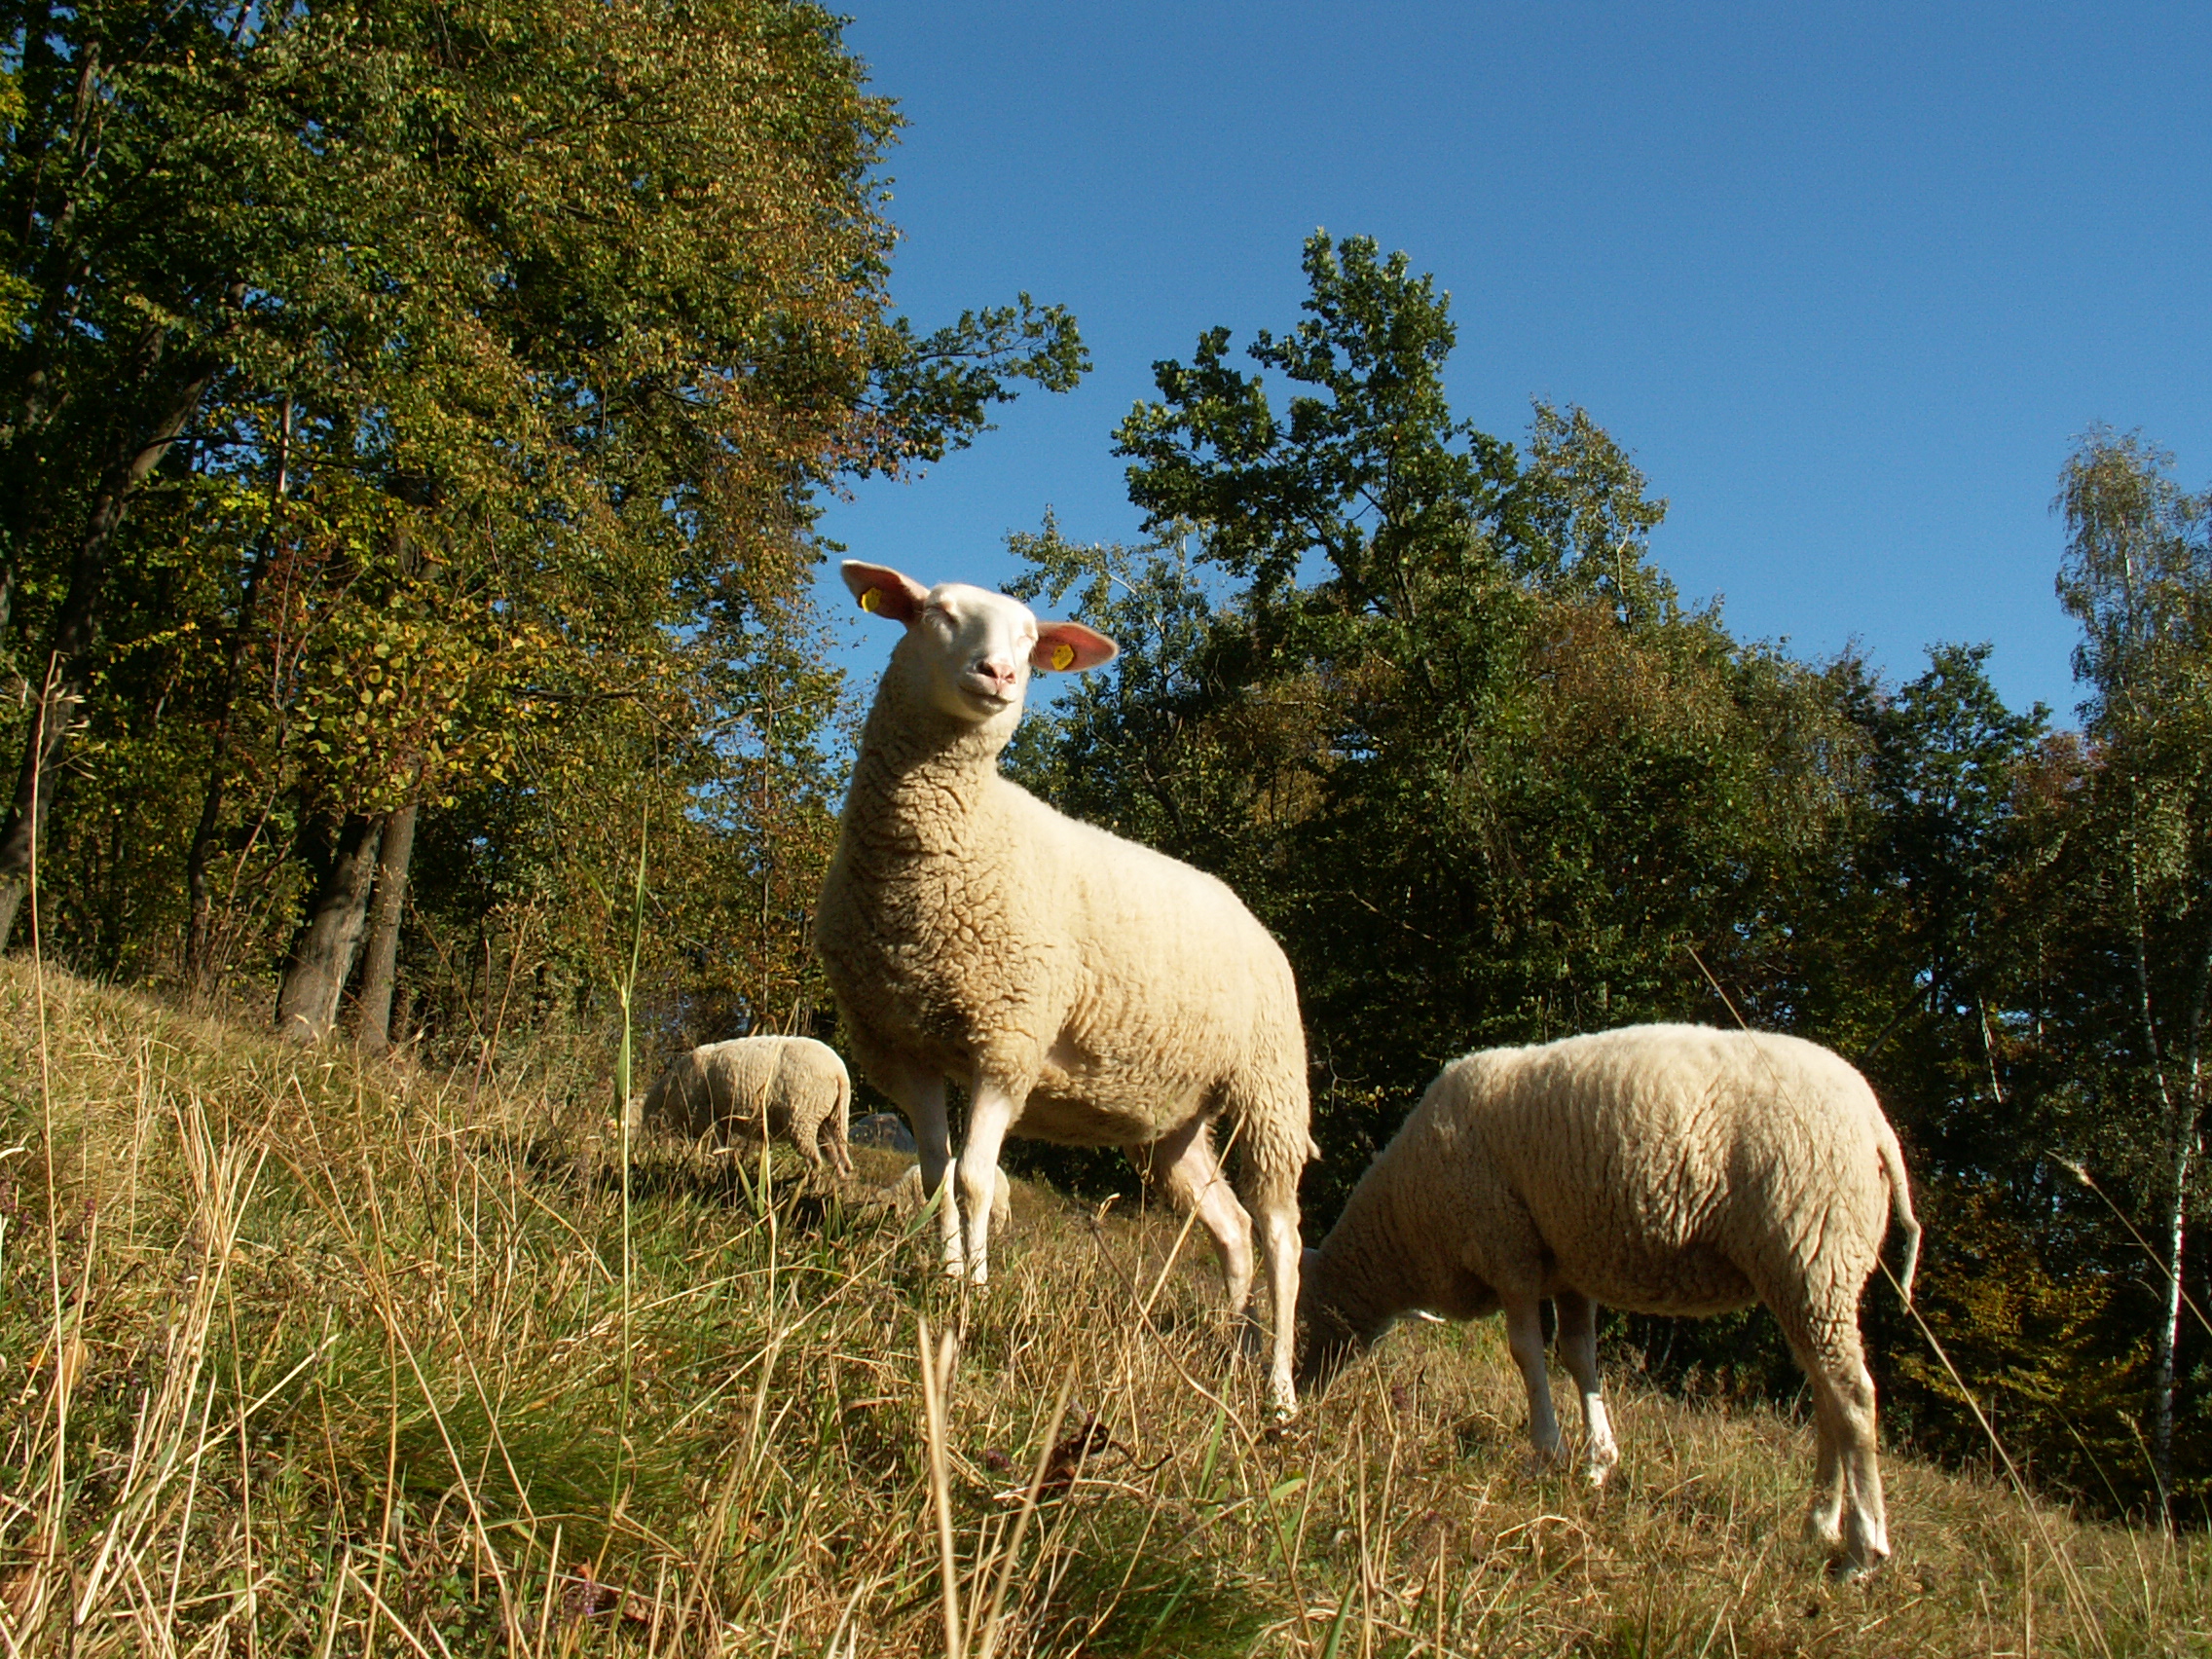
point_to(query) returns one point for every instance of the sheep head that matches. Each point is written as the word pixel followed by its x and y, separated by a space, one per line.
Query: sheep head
pixel 1330 1334
pixel 969 652
pixel 1327 1343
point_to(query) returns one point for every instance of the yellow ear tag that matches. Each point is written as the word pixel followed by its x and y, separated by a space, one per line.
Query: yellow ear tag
pixel 1063 656
pixel 872 600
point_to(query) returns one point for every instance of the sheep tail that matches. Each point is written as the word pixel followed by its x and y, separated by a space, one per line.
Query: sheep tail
pixel 837 1131
pixel 1900 1204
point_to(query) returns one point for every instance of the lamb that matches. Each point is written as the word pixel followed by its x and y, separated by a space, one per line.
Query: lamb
pixel 910 1195
pixel 756 1087
pixel 1087 990
pixel 1657 1168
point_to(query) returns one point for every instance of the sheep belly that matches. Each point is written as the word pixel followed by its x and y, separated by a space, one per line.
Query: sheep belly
pixel 1060 1111
pixel 1692 1281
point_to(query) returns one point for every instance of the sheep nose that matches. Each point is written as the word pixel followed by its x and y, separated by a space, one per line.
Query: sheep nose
pixel 999 671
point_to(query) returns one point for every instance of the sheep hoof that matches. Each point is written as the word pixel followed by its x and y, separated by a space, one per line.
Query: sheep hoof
pixel 1845 1570
pixel 1824 1531
pixel 1598 1461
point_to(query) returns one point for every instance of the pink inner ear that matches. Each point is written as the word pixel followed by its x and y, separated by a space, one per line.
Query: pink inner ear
pixel 883 591
pixel 1070 648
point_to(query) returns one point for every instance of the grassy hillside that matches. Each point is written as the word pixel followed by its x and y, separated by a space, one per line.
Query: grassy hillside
pixel 321 1359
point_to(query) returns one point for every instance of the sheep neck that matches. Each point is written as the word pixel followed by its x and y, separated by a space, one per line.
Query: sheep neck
pixel 1371 1270
pixel 921 772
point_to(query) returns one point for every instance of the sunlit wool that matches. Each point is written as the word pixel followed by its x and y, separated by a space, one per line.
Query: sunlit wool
pixel 792 1089
pixel 1661 1170
pixel 1087 990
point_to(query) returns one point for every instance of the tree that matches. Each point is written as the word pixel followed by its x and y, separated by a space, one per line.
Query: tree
pixel 1420 696
pixel 2138 577
pixel 510 338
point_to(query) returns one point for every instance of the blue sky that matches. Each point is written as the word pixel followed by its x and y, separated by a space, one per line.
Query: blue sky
pixel 1848 282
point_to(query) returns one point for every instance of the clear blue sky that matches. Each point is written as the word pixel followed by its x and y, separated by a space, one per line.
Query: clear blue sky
pixel 1847 281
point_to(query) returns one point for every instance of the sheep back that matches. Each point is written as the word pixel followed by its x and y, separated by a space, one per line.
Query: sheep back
pixel 1661 1170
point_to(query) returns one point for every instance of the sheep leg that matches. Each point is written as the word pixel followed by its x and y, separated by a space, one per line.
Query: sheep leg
pixel 1824 1520
pixel 1282 1249
pixel 1866 1527
pixel 1847 1516
pixel 1525 1336
pixel 805 1141
pixel 1578 1347
pixel 1824 1517
pixel 991 1113
pixel 1183 1168
pixel 921 1098
pixel 833 1142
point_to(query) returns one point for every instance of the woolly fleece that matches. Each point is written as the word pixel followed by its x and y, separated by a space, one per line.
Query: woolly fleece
pixel 1659 1170
pixel 791 1087
pixel 1088 990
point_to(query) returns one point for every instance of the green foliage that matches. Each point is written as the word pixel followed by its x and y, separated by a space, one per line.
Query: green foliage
pixel 518 340
pixel 2130 851
pixel 1421 697
pixel 1451 735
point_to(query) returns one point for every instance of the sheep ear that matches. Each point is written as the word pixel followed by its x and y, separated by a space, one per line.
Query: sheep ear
pixel 1070 647
pixel 883 591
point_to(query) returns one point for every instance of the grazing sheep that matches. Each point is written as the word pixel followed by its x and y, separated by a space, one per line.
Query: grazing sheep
pixel 908 1195
pixel 1659 1168
pixel 756 1088
pixel 1087 990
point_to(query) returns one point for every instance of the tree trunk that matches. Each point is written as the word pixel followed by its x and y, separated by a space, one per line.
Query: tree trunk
pixel 2169 1323
pixel 67 674
pixel 372 1014
pixel 2180 1137
pixel 321 957
pixel 199 900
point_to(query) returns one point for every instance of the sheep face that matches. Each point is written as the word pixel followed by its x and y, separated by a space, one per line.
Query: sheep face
pixel 1326 1344
pixel 971 651
pixel 1328 1337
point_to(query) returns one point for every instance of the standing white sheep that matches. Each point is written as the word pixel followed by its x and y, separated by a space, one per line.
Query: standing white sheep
pixel 1658 1168
pixel 1087 990
pixel 756 1088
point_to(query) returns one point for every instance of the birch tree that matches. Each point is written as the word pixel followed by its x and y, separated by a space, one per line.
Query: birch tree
pixel 2137 574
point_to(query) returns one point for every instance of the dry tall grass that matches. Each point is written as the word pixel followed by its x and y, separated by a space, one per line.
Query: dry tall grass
pixel 314 1359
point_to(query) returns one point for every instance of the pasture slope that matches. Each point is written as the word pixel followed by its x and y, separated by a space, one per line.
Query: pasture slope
pixel 307 1357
